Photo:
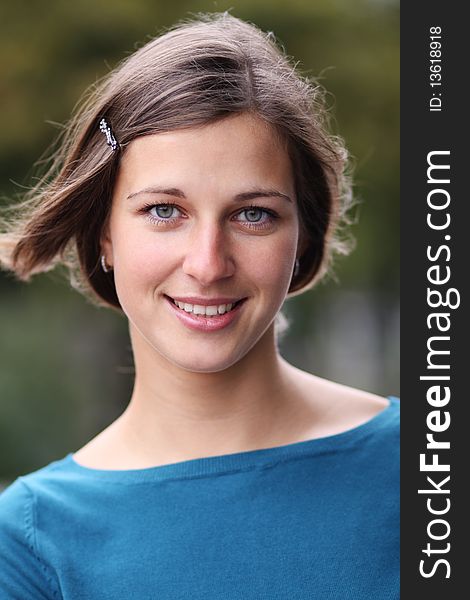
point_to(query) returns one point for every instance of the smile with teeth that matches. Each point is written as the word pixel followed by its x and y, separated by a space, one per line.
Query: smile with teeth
pixel 206 311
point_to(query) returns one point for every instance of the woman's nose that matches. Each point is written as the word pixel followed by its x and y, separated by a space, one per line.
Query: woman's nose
pixel 208 255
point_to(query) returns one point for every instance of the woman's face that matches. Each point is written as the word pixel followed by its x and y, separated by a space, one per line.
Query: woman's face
pixel 205 217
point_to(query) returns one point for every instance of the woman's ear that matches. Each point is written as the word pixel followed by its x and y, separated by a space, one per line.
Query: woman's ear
pixel 107 244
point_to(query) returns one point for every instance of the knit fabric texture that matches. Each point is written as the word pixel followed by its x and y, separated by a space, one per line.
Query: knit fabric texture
pixel 317 519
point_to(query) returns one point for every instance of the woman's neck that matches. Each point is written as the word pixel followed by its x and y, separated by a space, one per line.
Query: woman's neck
pixel 260 402
pixel 176 414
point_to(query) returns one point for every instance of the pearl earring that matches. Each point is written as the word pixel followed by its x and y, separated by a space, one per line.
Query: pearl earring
pixel 296 267
pixel 104 266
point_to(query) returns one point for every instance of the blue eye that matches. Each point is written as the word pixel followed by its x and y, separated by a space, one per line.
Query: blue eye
pixel 256 217
pixel 253 215
pixel 163 211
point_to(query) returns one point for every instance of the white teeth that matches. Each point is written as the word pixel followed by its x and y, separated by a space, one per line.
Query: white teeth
pixel 209 311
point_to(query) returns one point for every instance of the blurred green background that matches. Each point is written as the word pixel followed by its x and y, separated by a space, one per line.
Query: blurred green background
pixel 66 366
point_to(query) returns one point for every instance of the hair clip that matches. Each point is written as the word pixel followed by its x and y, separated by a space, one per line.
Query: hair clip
pixel 110 139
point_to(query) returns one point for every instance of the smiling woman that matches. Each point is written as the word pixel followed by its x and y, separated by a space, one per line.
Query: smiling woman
pixel 190 231
pixel 194 192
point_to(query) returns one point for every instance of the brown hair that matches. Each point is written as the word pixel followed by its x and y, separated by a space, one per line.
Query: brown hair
pixel 196 73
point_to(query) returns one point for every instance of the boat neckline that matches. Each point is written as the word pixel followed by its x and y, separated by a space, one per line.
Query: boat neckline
pixel 242 460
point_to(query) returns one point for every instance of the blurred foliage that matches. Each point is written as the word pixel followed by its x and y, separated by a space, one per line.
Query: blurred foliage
pixel 64 365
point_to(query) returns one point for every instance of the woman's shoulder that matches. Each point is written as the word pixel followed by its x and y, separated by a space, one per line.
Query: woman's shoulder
pixel 335 408
pixel 23 491
pixel 23 571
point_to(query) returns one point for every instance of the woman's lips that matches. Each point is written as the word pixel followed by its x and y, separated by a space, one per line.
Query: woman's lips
pixel 202 322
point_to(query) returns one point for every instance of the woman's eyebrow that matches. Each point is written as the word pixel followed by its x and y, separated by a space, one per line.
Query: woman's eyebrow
pixel 243 196
pixel 262 193
pixel 157 190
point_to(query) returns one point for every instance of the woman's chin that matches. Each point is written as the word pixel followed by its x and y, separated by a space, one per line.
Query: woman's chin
pixel 206 364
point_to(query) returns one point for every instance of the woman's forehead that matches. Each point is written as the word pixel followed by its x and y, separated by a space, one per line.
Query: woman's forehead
pixel 240 148
pixel 243 130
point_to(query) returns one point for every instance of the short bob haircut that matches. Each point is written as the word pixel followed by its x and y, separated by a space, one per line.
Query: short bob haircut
pixel 196 73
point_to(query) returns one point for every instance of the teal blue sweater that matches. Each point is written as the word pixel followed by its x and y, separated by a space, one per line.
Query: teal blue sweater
pixel 312 520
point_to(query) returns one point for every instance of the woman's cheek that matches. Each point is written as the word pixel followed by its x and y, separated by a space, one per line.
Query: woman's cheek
pixel 280 256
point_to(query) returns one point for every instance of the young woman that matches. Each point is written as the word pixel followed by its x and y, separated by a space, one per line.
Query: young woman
pixel 194 191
